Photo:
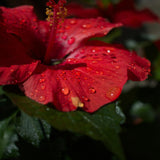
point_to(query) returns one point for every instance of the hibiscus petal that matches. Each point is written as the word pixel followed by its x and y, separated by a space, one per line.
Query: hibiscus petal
pixel 138 67
pixel 133 18
pixel 88 82
pixel 126 13
pixel 75 31
pixel 15 65
pixel 22 22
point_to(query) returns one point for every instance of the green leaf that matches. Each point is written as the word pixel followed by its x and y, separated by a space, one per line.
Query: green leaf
pixel 111 36
pixel 8 138
pixel 1 90
pixel 32 129
pixel 156 71
pixel 103 125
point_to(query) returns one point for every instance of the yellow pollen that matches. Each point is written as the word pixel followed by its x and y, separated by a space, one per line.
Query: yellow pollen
pixel 49 13
pixel 76 102
pixel 61 14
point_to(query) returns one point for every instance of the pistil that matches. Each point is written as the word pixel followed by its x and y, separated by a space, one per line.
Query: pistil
pixel 54 18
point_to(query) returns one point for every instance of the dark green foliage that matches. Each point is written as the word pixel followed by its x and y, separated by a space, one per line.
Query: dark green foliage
pixel 104 125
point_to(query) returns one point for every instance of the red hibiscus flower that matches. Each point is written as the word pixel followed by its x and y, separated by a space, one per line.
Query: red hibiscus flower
pixel 53 62
pixel 124 12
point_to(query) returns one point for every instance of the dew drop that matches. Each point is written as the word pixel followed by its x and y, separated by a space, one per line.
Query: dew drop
pixel 85 98
pixel 64 37
pixel 41 80
pixel 31 94
pixel 92 90
pixel 71 40
pixel 65 91
pixel 101 73
pixel 70 59
pixel 113 93
pixel 77 73
pixel 73 21
pixel 36 90
pixel 88 68
pixel 117 67
pixel 67 27
pixel 94 62
pixel 81 51
pixel 12 70
pixel 86 26
pixel 42 75
pixel 108 51
pixel 29 72
pixel 42 98
pixel 43 87
pixel 93 50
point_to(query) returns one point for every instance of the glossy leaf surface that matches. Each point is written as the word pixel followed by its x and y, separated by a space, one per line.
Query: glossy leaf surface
pixel 103 125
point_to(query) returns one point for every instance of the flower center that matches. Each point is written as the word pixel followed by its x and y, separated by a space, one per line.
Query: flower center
pixel 56 13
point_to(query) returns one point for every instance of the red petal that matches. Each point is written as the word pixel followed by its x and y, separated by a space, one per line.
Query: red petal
pixel 75 31
pixel 126 13
pixel 88 82
pixel 22 22
pixel 133 18
pixel 138 67
pixel 15 65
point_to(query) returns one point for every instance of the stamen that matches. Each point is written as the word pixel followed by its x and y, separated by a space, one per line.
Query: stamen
pixel 56 13
pixel 49 13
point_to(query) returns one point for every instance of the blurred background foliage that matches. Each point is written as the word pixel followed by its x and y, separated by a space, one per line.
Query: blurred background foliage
pixel 23 137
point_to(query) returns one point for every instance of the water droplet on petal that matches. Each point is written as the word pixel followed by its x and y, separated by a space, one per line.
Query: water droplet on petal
pixel 41 80
pixel 101 73
pixel 64 37
pixel 67 27
pixel 12 70
pixel 86 26
pixel 71 40
pixel 22 21
pixel 31 94
pixel 29 72
pixel 81 51
pixel 43 87
pixel 117 67
pixel 85 98
pixel 36 90
pixel 42 98
pixel 113 93
pixel 65 91
pixel 73 21
pixel 108 51
pixel 42 74
pixel 92 90
pixel 94 62
pixel 93 50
